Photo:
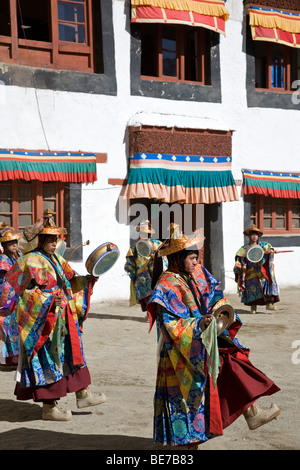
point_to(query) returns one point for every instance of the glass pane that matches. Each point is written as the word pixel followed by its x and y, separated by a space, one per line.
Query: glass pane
pixel 71 12
pixel 149 61
pixel 49 205
pixel 4 18
pixel 280 223
pixel 277 66
pixel 169 51
pixel 72 33
pixel 296 209
pixel 25 206
pixel 24 191
pixel 267 223
pixel 280 211
pixel 191 56
pixel 5 206
pixel 268 211
pixel 7 219
pixel 296 223
pixel 49 191
pixel 5 191
pixel 24 220
pixel 33 20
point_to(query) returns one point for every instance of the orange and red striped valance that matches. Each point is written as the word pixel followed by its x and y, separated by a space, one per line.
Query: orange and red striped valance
pixel 271 183
pixel 275 25
pixel 69 167
pixel 210 14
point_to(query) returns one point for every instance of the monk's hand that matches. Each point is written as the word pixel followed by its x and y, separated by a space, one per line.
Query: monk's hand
pixel 206 321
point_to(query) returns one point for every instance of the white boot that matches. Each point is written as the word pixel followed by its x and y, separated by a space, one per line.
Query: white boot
pixel 253 309
pixel 85 398
pixel 52 412
pixel 256 416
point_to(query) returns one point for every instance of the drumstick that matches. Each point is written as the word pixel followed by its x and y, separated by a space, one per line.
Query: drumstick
pixel 284 251
pixel 84 244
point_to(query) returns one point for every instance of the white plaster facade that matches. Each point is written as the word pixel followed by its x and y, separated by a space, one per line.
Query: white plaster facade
pixel 263 138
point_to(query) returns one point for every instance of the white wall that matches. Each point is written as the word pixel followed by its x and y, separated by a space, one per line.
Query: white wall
pixel 263 138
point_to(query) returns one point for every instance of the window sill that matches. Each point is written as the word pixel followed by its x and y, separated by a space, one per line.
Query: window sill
pixel 276 90
pixel 172 79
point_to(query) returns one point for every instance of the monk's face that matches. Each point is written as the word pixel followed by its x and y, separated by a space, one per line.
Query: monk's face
pixel 50 245
pixel 190 263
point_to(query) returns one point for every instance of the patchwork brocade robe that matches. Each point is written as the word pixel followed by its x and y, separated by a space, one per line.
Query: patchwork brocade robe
pixel 186 404
pixel 50 337
pixel 9 332
pixel 256 281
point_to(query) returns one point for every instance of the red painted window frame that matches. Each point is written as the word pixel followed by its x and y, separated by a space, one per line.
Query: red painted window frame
pixel 180 56
pixel 37 202
pixel 257 216
pixel 62 54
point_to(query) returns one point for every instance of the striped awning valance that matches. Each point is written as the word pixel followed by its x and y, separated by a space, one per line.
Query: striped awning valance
pixel 70 167
pixel 275 25
pixel 181 178
pixel 211 14
pixel 274 184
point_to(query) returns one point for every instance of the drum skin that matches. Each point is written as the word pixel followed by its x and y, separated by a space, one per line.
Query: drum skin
pixel 255 254
pixel 102 259
pixel 144 248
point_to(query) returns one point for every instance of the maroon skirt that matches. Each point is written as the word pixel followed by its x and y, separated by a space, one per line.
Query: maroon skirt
pixel 240 384
pixel 72 383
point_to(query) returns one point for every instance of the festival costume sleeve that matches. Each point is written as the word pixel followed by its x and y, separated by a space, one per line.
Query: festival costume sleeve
pixel 35 283
pixel 182 338
pixel 35 316
pixel 7 297
pixel 130 265
pixel 82 288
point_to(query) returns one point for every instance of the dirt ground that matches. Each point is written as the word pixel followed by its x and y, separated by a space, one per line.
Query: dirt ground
pixel 121 356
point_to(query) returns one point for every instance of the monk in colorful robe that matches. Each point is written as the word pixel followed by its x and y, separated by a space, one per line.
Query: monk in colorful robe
pixel 9 331
pixel 205 380
pixel 51 361
pixel 256 280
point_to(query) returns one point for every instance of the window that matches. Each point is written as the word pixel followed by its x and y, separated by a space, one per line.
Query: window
pixel 52 34
pixel 276 215
pixel 23 203
pixel 276 66
pixel 175 53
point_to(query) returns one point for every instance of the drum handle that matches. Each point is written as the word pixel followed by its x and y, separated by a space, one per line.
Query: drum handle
pixel 79 246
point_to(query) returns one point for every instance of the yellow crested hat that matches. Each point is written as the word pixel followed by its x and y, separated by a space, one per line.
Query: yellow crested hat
pixel 178 241
pixel 49 227
pixel 7 233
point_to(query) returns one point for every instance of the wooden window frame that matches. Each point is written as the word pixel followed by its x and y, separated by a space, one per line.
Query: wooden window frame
pixel 180 57
pixel 287 70
pixel 37 202
pixel 56 54
pixel 258 217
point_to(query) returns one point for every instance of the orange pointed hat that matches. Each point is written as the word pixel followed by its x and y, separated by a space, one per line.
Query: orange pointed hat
pixel 178 241
pixel 7 233
pixel 49 227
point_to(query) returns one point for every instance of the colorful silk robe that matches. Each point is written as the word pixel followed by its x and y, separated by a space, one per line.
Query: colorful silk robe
pixel 9 332
pixel 256 281
pixel 50 337
pixel 186 406
pixel 140 270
